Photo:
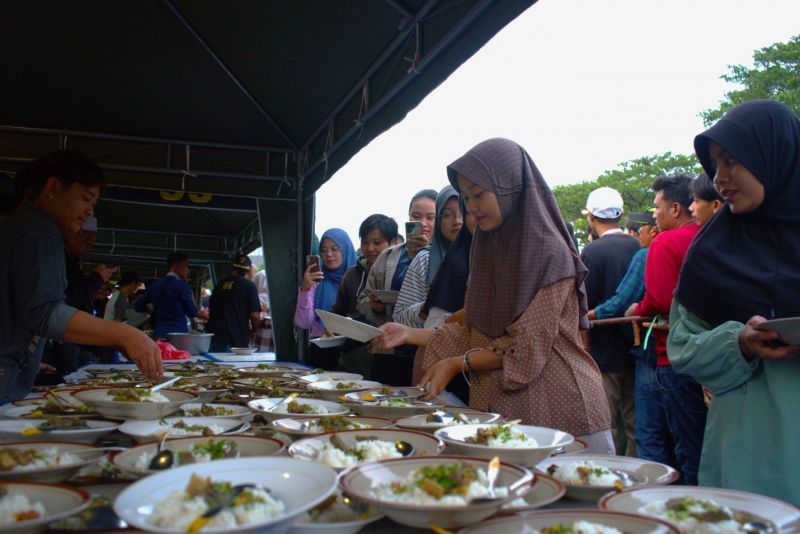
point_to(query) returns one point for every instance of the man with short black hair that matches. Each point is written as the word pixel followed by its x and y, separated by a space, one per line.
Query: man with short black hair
pixel 59 191
pixel 607 259
pixel 234 308
pixel 119 303
pixel 682 397
pixel 171 298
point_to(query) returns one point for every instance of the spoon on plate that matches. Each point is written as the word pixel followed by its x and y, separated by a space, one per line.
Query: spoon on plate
pixel 492 472
pixel 164 458
pixel 164 384
pixel 288 397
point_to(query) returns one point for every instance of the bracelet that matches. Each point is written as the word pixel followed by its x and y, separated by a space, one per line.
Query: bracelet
pixel 466 366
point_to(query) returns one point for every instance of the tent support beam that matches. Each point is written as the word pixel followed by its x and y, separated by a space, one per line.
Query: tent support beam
pixel 188 25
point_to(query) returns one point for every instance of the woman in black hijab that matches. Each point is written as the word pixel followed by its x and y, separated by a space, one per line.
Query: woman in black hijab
pixel 742 270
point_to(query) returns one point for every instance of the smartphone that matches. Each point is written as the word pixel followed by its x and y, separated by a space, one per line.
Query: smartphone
pixel 413 228
pixel 312 259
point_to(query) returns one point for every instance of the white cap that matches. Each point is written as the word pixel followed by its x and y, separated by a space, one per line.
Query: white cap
pixel 604 202
pixel 90 225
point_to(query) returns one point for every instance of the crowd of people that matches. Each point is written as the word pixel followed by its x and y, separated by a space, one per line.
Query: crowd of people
pixel 489 302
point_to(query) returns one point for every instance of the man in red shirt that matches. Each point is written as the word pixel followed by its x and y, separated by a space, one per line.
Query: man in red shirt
pixel 682 397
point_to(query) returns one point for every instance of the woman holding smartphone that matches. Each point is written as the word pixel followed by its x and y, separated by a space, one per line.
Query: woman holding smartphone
pixel 322 277
pixel 517 342
pixel 743 269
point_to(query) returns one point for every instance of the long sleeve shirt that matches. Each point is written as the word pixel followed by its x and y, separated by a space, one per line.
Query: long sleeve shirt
pixel 629 290
pixel 664 260
pixel 172 302
pixel 304 316
pixel 413 292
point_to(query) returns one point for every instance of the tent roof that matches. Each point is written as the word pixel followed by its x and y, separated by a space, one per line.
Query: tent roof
pixel 241 100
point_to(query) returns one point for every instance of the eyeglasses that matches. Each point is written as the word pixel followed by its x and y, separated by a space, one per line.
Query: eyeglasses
pixel 331 250
pixel 448 215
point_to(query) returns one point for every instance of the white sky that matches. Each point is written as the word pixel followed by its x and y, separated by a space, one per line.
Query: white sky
pixel 582 84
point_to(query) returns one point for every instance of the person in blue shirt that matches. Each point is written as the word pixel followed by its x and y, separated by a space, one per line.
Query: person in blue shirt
pixel 171 298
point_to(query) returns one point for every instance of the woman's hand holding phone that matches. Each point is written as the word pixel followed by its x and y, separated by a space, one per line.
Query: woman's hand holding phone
pixel 311 277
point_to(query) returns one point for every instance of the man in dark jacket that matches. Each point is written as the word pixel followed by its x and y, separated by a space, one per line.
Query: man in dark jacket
pixel 607 258
pixel 234 311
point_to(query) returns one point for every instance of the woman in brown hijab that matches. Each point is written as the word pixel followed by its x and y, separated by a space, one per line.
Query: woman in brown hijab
pixel 518 341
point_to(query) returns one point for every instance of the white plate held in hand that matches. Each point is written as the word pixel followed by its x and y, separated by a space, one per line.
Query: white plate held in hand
pixel 347 327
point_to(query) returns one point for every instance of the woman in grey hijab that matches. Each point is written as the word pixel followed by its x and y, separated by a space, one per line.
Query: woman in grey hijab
pixel 517 341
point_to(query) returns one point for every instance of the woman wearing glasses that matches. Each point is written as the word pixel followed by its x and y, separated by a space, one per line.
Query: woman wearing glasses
pixel 321 282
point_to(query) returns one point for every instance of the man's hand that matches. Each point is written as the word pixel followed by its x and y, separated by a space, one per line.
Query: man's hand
pixel 439 375
pixel 376 305
pixel 591 315
pixel 760 343
pixel 143 351
pixel 105 271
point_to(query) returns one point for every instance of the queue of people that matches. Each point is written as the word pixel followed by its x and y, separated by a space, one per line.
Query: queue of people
pixel 489 299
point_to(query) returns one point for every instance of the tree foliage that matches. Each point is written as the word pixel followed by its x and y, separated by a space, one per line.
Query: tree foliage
pixel 633 179
pixel 775 75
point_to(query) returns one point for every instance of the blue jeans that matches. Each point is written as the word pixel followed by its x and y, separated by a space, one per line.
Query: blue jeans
pixel 653 440
pixel 686 412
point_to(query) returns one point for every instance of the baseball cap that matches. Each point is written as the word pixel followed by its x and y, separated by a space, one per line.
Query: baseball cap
pixel 642 217
pixel 242 262
pixel 604 202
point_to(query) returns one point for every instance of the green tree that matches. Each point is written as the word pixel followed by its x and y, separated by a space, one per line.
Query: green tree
pixel 633 179
pixel 775 75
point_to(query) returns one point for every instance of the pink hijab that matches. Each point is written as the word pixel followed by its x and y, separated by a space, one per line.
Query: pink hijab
pixel 531 249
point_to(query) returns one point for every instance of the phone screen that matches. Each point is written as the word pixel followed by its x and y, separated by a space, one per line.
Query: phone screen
pixel 313 261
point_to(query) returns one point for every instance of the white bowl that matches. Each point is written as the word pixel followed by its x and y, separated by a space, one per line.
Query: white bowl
pixel 345 326
pixel 11 430
pixel 333 375
pixel 299 485
pixel 85 454
pixel 59 501
pixel 548 441
pixel 240 412
pixel 329 389
pixel 358 482
pixel 305 526
pixel 246 445
pixel 373 409
pixel 780 513
pixel 420 422
pixel 148 431
pixel 298 428
pixel 545 490
pixel 539 521
pixel 424 444
pixel 241 351
pixel 266 370
pixel 100 401
pixel 329 341
pixel 640 472
pixel 788 329
pixel 262 407
pixel 24 412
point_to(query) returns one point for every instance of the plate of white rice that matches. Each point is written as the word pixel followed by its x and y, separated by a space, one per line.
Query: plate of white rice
pixel 45 461
pixel 684 506
pixel 135 403
pixel 29 506
pixel 588 476
pixel 296 408
pixel 348 448
pixel 582 521
pixel 160 503
pixel 429 423
pixel 27 430
pixel 522 444
pixel 177 427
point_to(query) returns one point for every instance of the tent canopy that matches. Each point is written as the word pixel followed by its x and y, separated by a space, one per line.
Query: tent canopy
pixel 215 122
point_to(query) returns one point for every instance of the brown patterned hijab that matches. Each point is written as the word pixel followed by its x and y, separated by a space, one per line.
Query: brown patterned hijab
pixel 531 249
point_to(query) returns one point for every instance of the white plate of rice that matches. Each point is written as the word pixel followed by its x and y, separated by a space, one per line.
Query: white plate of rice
pixel 148 407
pixel 179 427
pixel 654 501
pixel 45 462
pixel 29 506
pixel 362 446
pixel 24 430
pixel 297 486
pixel 588 476
pixel 295 408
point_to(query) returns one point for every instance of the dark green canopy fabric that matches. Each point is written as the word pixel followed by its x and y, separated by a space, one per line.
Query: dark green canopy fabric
pixel 216 121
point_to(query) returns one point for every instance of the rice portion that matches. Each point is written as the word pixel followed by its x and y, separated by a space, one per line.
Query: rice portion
pixel 585 473
pixel 183 507
pixel 14 459
pixel 16 508
pixel 698 516
pixel 502 436
pixel 416 487
pixel 188 429
pixel 363 451
pixel 297 407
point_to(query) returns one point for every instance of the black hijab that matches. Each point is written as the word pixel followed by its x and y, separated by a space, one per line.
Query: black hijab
pixel 749 264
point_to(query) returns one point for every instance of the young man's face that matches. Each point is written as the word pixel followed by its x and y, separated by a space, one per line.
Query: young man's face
pixel 70 206
pixel 182 269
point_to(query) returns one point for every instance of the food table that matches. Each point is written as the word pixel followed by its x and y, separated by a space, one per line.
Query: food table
pixel 545 495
